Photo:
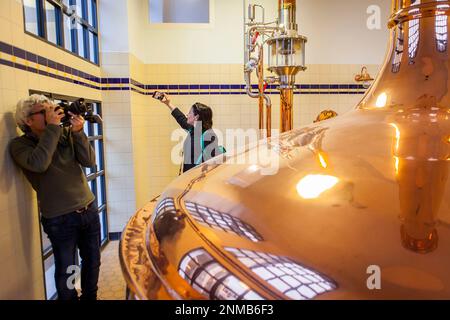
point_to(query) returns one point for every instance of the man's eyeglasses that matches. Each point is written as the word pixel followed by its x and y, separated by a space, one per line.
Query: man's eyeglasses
pixel 37 112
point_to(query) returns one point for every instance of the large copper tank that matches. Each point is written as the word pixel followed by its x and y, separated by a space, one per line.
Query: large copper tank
pixel 368 190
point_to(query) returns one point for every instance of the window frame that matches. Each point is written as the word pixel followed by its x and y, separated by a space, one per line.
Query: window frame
pixel 92 177
pixel 61 10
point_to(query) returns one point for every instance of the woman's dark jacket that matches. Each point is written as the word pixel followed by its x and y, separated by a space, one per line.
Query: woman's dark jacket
pixel 192 145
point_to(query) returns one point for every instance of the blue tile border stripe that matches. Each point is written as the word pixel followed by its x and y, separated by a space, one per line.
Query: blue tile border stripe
pixel 54 70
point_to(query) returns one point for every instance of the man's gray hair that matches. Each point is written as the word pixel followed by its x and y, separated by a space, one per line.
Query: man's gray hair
pixel 25 106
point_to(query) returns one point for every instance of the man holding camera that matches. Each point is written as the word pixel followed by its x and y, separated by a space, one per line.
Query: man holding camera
pixel 51 157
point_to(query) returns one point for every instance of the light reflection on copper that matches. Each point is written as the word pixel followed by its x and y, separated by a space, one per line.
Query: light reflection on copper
pixel 313 185
pixel 322 161
pixel 381 100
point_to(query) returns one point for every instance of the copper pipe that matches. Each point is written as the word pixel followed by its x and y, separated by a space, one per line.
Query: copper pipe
pixel 286 112
pixel 269 121
pixel 261 90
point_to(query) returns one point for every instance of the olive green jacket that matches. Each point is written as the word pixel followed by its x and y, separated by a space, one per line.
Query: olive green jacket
pixel 52 164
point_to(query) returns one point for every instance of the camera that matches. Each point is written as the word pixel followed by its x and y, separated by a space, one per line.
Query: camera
pixel 158 95
pixel 79 108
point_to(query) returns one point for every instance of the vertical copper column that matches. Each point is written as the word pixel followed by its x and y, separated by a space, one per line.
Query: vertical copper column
pixel 286 112
pixel 268 121
pixel 261 89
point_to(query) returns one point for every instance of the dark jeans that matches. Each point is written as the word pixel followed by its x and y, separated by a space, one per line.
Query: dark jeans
pixel 66 233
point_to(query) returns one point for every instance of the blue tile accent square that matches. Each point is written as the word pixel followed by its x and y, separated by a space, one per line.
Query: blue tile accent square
pixel 183 87
pixel 6 63
pixel 33 70
pixel 225 87
pixel 19 53
pixel 67 70
pixel 314 86
pixel 104 80
pixel 173 87
pixel 353 86
pixel 125 80
pixel 325 86
pixel 114 80
pixel 235 86
pixel 162 87
pixel 43 73
pixel 31 57
pixel 152 87
pixel 60 67
pixel 42 61
pixel 214 86
pixel 194 87
pixel 6 48
pixel 20 66
pixel 51 64
pixel 204 87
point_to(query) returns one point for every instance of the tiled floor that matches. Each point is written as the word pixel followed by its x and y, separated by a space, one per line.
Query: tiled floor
pixel 111 284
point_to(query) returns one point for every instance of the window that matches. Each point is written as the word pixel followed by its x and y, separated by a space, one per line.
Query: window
pixel 69 24
pixel 209 278
pixel 30 9
pixel 179 11
pixel 51 18
pixel 222 221
pixel 96 181
pixel 292 279
pixel 67 34
pixel 441 33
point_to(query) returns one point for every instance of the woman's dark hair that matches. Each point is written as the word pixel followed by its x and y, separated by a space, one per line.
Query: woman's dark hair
pixel 204 114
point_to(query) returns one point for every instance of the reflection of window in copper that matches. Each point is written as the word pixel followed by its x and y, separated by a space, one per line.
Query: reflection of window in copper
pixel 292 279
pixel 212 280
pixel 397 58
pixel 441 33
pixel 413 39
pixel 222 221
pixel 166 204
